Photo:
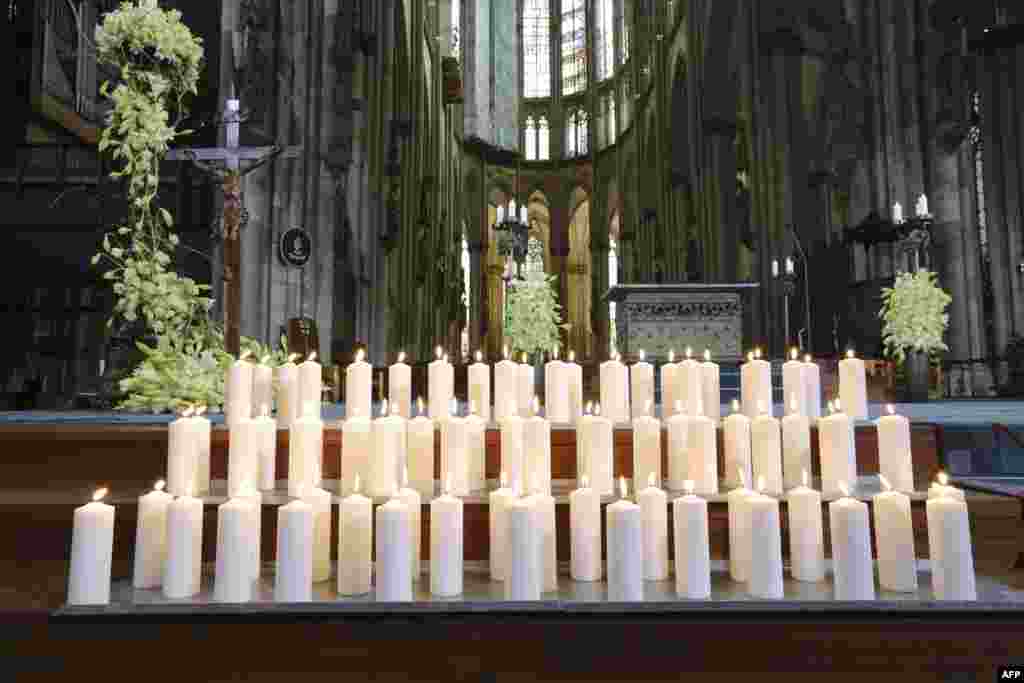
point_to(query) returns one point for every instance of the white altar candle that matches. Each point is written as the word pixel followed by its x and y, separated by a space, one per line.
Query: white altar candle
pixel 359 384
pixel 151 538
pixel 201 426
pixel 288 402
pixel 585 533
pixel 455 452
pixel 92 552
pixel 594 453
pixel 238 389
pixel 311 383
pixel 765 579
pixel 641 382
pixel 420 447
pixel 692 547
pixel 243 455
pixel 182 454
pixel 305 449
pixel 894 540
pixel 625 550
pixel 575 381
pixel 544 523
pixel 446 545
pixel 812 384
pixel 614 390
pixel 952 558
pixel 654 524
pixel 669 376
pixel 755 384
pixel 836 450
pixel 233 580
pixel 678 434
pixel 413 501
pixel 796 446
pixel 556 390
pixel 262 387
pixel 690 390
pixel 794 385
pixel 183 568
pixel 806 535
pixel 736 442
pixel 320 501
pixel 254 500
pixel 646 447
pixel 512 447
pixel 499 500
pixel 522 551
pixel 766 451
pixel 440 385
pixel 702 453
pixel 357 447
pixel 739 531
pixel 525 393
pixel 388 456
pixel 400 386
pixel 355 541
pixel 853 387
pixel 506 387
pixel 894 456
pixel 476 445
pixel 537 450
pixel 852 568
pixel 294 580
pixel 479 380
pixel 710 385
pixel 394 570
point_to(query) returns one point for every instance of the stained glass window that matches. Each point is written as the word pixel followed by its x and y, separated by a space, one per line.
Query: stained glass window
pixel 536 48
pixel 576 134
pixel 543 138
pixel 574 48
pixel 530 139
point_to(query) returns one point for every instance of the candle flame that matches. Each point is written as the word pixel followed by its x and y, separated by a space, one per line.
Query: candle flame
pixel 750 356
pixel 688 487
pixel 524 359
pixel 622 486
pixel 312 356
pixel 885 482
pixel 793 353
pixel 419 405
pixel 401 356
pixel 292 357
pixel 597 409
pixel 472 407
pixel 845 489
pixel 671 356
pixel 760 483
pixel 735 406
pixel 503 479
pixel 616 356
pixel 839 406
pixel 505 351
pixel 438 352
pixel 159 485
pixel 804 476
pixel 831 407
pixel 445 358
pixel 479 356
pixel 647 407
pixel 707 355
pixel 679 406
pixel 244 355
pixel 554 353
pixel 590 408
pixel 849 353
pixel 572 356
pixel 943 479
pixel 99 495
pixel 689 353
pixel 642 355
pixel 889 407
pixel 743 477
pixel 535 404
pixel 355 485
pixel 650 479
pixel 807 358
pixel 757 353
pixel 384 408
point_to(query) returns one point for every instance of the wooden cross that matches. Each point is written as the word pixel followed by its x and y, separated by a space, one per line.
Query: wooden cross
pixel 229 170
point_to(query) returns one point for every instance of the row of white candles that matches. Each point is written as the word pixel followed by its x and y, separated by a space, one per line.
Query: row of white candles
pixel 523 544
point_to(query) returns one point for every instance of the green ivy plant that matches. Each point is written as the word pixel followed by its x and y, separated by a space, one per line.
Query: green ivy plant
pixel 533 320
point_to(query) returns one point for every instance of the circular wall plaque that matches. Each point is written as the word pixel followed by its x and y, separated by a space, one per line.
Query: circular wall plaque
pixel 295 247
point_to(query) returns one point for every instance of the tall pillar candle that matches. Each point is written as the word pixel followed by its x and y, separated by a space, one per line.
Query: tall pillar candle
pixel 710 385
pixel 755 385
pixel 654 525
pixel 311 383
pixel 499 500
pixel 238 390
pixel 506 388
pixel 625 550
pixel 476 444
pixel 359 385
pixel 266 450
pixel 388 454
pixel 92 552
pixel 288 392
pixel 420 452
pixel 512 456
pixel 537 452
pixel 556 390
pixel 243 456
pixel 233 581
pixel 894 540
pixel 394 571
pixel 765 579
pixel 400 386
pixel 796 447
pixel 479 379
pixel 440 385
pixel 575 381
pixel 736 442
pixel 646 448
pixel 262 387
pixel 702 455
pixel 766 451
pixel 669 377
pixel 595 456
pixel 182 455
pixel 294 580
pixel 812 388
pixel 522 551
pixel 446 545
pixel 151 538
pixel 677 429
pixel 895 462
pixel 836 451
pixel 455 453
pixel 320 501
pixel 689 390
pixel 413 503
pixel 357 447
pixel 794 385
pixel 692 547
pixel 806 535
pixel 254 500
pixel 853 387
pixel 524 396
pixel 952 558
pixel 614 390
pixel 305 450
pixel 544 511
pixel 203 434
pixel 355 541
pixel 183 569
pixel 852 568
pixel 585 533
pixel 739 533
pixel 641 382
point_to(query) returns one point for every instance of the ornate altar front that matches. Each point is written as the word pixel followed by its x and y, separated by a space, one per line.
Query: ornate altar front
pixel 660 318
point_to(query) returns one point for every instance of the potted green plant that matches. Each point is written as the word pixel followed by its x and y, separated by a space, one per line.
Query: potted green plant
pixel 915 320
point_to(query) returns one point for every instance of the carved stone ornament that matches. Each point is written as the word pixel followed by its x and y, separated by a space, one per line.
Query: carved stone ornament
pixel 674 321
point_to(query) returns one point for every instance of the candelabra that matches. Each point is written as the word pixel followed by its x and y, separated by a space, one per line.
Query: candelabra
pixel 787 279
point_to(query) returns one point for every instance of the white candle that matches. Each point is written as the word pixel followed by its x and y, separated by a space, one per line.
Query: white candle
pixel 766 451
pixel 254 499
pixel 625 550
pixel 440 385
pixel 512 447
pixel 736 442
pixel 796 446
pixel 413 503
pixel 544 523
pixel 525 393
pixel 355 541
pixel 266 450
pixel 294 580
pixel 894 456
pixel 506 387
pixel 894 540
pixel 594 453
pixel 678 433
pixel 853 388
pixel 852 568
pixel 537 451
pixel 476 440
pixel 183 568
pixel 670 400
pixel 575 381
pixel 92 552
pixel 320 501
pixel 420 451
pixel 203 434
pixel 522 551
pixel 641 381
pixel 446 545
pixel 585 533
pixel 388 456
pixel 654 524
pixel 305 450
pixel 499 500
pixel 739 531
pixel 690 390
pixel 812 388
pixel 243 455
pixel 238 389
pixel 806 535
pixel 710 384
pixel 288 392
pixel 836 451
pixel 794 385
pixel 233 581
pixel 614 390
pixel 455 452
pixel 311 383
pixel 646 447
pixel 765 578
pixel 394 573
pixel 479 379
pixel 556 390
pixel 262 387
pixel 356 447
pixel 952 558
pixel 151 538
pixel 400 386
pixel 755 385
pixel 359 385
pixel 692 547
pixel 182 454
pixel 702 454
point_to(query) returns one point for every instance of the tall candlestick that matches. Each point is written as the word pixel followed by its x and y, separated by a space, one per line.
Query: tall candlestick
pixel 294 581
pixel 625 550
pixel 311 378
pixel 794 384
pixel 765 579
pixel 594 453
pixel 182 454
pixel 812 387
pixel 836 449
pixel 92 551
pixel 537 451
pixel 690 391
pixel 400 386
pixel 614 390
pixel 525 393
pixel 806 536
pixel 556 390
pixel 894 457
pixel 523 551
pixel 305 449
pixel 654 524
pixel 736 437
pixel 756 385
pixel 356 447
pixel 243 455
pixel 646 447
pixel 499 500
pixel 479 378
pixel 440 384
pixel 641 381
pixel 233 580
pixel 288 392
pixel 266 450
pixel 766 451
pixel 585 532
pixel 853 391
pixel 670 401
pixel 796 446
pixel 183 568
pixel 894 540
pixel 238 389
pixel 151 538
pixel 853 569
pixel 394 571
pixel 355 540
pixel 262 387
pixel 446 545
pixel 710 384
pixel 506 387
pixel 692 547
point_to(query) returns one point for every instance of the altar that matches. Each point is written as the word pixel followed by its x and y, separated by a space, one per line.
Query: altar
pixel 663 317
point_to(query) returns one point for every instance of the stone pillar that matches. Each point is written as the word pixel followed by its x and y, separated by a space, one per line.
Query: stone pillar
pixel 476 255
pixel 599 306
pixel 720 195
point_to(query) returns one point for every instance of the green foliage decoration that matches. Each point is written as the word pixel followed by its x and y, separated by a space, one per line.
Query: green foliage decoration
pixel 533 320
pixel 913 312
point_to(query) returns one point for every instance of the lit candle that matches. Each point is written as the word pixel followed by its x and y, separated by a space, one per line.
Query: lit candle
pixel 420 446
pixel 710 384
pixel 585 532
pixel 183 568
pixel 92 551
pixel 794 384
pixel 852 567
pixel 440 385
pixel 692 547
pixel 702 454
pixel 853 388
pixel 775 267
pixel 537 450
pixel 544 510
pixel 922 207
pixel 506 387
pixel 690 391
pixel 455 452
pixel 641 379
pixel 796 446
pixel 670 403
pixel 594 453
pixel 836 450
pixel 499 500
pixel 479 379
pixel 654 528
pixel 203 433
pixel 305 449
pixel 812 383
pixel 233 580
pixel 394 571
pixel 523 551
pixel 614 390
pixel 894 540
pixel 678 428
pixel 512 446
pixel 320 500
pixel 288 392
pixel 476 444
pixel 413 501
pixel 756 385
pixel 736 438
pixel 894 456
pixel 625 549
pixel 182 454
pixel 311 384
pixel 266 449
pixel 739 530
pixel 575 381
pixel 243 455
pixel 556 389
pixel 525 385
pixel 446 545
pixel 262 386
pixel 806 535
pixel 400 386
pixel 151 538
pixel 949 541
pixel 356 447
pixel 897 213
pixel 294 580
pixel 766 450
pixel 388 456
pixel 941 487
pixel 646 446
pixel 765 580
pixel 238 389
pixel 355 540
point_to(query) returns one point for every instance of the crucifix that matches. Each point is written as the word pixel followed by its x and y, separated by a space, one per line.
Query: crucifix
pixel 225 165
